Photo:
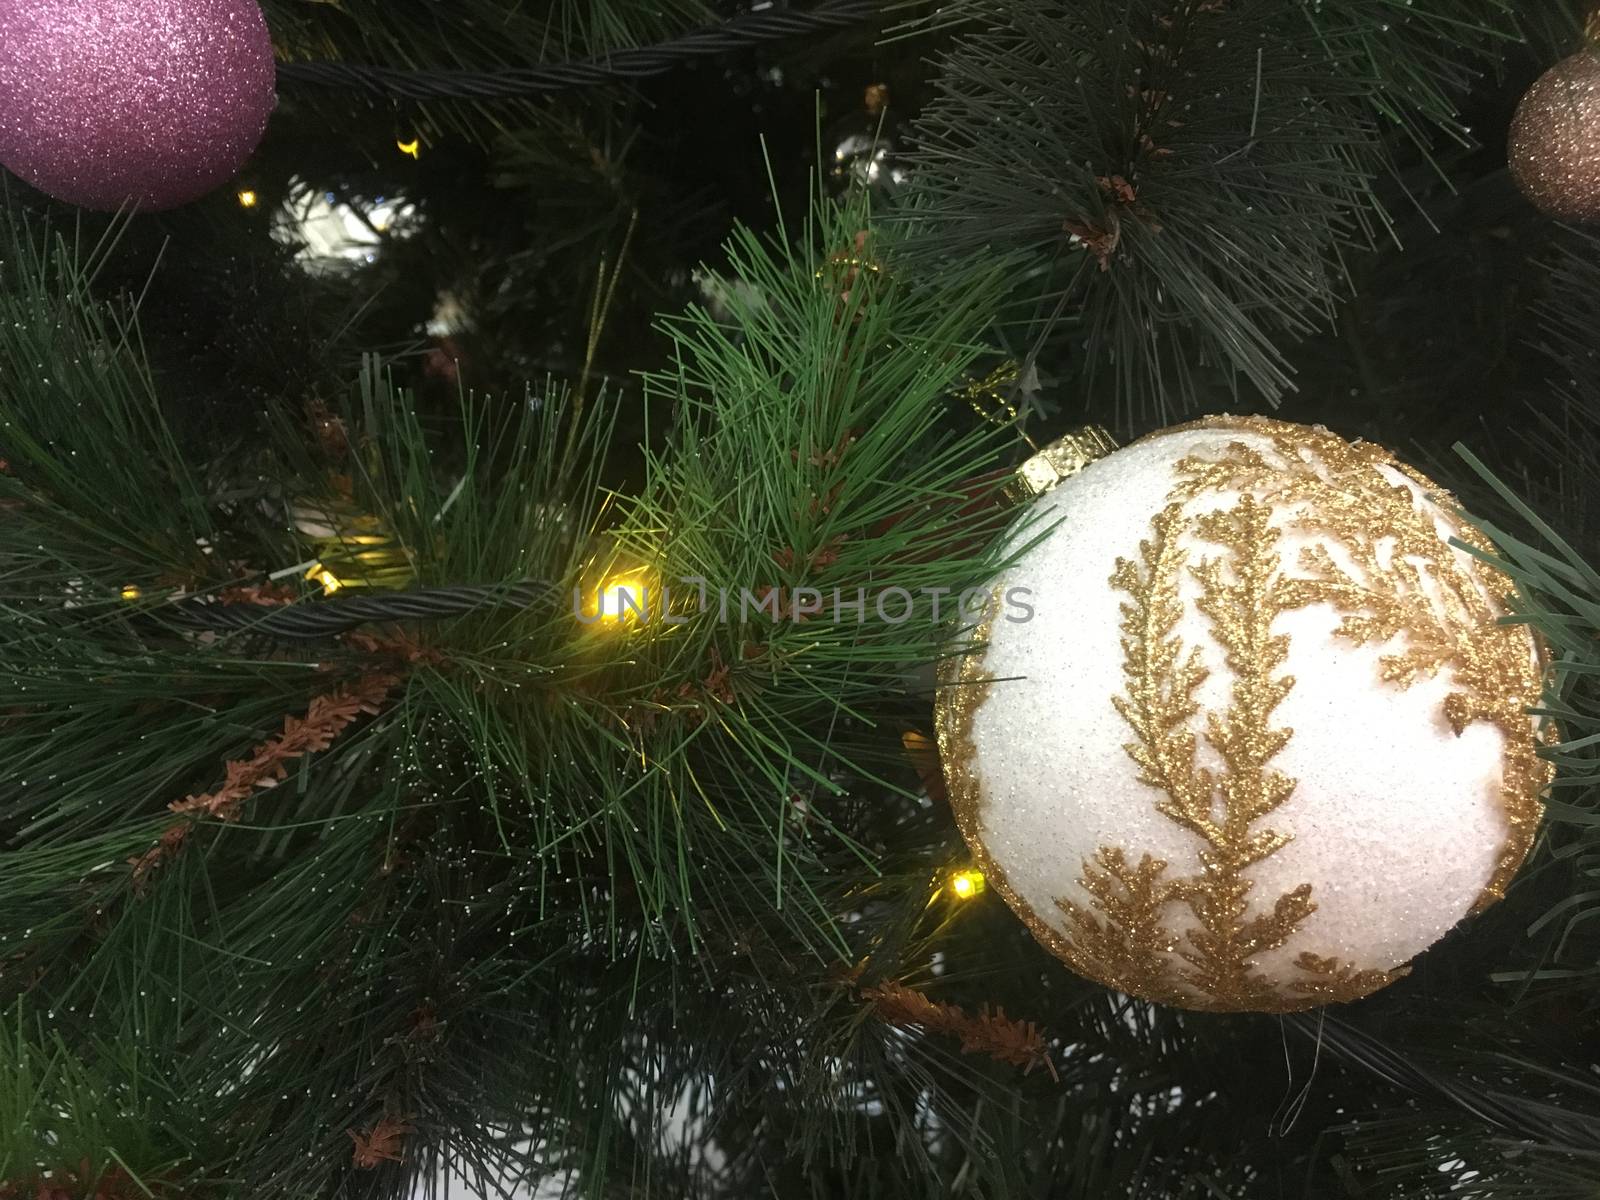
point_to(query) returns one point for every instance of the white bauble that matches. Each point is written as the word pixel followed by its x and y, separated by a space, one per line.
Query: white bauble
pixel 1264 739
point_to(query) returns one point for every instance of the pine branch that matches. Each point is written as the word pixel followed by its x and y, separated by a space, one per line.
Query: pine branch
pixel 327 717
pixel 476 35
pixel 1180 202
pixel 989 1031
pixel 510 848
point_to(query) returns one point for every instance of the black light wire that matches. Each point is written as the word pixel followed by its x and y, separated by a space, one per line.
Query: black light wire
pixel 341 614
pixel 740 33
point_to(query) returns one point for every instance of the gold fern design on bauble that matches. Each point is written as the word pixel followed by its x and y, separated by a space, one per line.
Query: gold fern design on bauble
pixel 1122 934
pixel 1120 937
pixel 1401 587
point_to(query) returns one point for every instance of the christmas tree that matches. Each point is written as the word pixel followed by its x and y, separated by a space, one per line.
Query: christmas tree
pixel 490 500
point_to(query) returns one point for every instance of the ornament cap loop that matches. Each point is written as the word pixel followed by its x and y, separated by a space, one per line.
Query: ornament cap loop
pixel 1060 460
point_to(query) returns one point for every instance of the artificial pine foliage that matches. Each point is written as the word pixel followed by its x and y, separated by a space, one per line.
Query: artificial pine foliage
pixel 360 838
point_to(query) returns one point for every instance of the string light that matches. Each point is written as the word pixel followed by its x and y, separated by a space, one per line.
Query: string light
pixel 248 198
pixel 329 581
pixel 620 598
pixel 132 592
pixel 966 884
pixel 412 149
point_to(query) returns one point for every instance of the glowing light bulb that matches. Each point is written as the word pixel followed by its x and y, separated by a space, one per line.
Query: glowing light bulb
pixel 964 885
pixel 248 199
pixel 132 592
pixel 412 149
pixel 329 581
pixel 624 598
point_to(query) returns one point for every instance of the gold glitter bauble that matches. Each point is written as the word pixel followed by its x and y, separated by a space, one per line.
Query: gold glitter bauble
pixel 1264 738
pixel 1555 140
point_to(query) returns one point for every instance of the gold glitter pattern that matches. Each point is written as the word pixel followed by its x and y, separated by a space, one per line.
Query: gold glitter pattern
pixel 1405 587
pixel 1414 587
pixel 1242 594
pixel 1122 939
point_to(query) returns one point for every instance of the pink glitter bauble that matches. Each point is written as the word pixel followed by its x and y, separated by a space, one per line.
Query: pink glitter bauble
pixel 153 103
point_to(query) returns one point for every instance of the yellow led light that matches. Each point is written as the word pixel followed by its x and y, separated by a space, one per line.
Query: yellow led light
pixel 964 885
pixel 329 581
pixel 132 592
pixel 622 598
pixel 413 148
pixel 248 199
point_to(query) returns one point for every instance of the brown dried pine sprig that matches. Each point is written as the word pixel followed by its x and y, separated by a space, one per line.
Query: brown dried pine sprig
pixel 989 1031
pixel 326 718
